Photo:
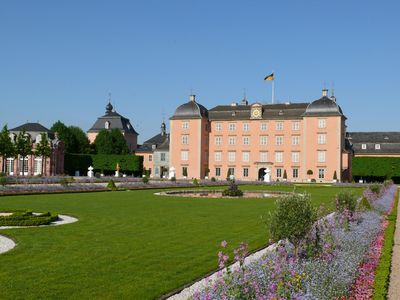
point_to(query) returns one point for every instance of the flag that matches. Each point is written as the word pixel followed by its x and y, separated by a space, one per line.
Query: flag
pixel 269 77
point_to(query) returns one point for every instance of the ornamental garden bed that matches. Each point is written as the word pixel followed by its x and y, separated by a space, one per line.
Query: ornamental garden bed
pixel 26 218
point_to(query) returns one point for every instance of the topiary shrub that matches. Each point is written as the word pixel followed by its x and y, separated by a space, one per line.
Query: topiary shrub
pixel 111 185
pixel 313 180
pixel 27 218
pixel 213 179
pixel 3 180
pixel 334 175
pixel 364 204
pixel 66 181
pixel 292 219
pixel 173 179
pixel 346 200
pixel 284 174
pixel 232 190
pixel 145 179
pixel 375 188
pixel 195 182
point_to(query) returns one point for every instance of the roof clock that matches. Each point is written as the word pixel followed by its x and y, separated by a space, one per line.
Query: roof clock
pixel 256 111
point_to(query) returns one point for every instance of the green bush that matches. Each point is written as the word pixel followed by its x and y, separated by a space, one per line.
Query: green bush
pixel 313 180
pixel 111 185
pixel 334 175
pixel 145 179
pixel 346 200
pixel 66 181
pixel 386 167
pixel 292 219
pixel 375 188
pixel 173 179
pixel 213 179
pixel 233 190
pixel 364 204
pixel 3 180
pixel 195 182
pixel 27 218
pixel 97 175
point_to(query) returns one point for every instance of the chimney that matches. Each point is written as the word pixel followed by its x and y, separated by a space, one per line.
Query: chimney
pixel 192 98
pixel 325 93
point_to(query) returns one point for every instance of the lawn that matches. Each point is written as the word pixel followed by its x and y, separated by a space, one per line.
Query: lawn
pixel 129 244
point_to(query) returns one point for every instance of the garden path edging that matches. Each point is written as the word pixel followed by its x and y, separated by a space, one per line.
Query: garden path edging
pixel 394 287
pixel 6 244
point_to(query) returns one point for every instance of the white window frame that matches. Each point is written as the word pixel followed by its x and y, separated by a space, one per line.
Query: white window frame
pixel 263 140
pixel 218 140
pixel 246 126
pixel 321 123
pixel 217 156
pixel 245 172
pixel 279 157
pixel 279 140
pixel 10 165
pixel 246 140
pixel 264 126
pixel 364 146
pixel 278 172
pixel 295 172
pixel 263 156
pixel 321 138
pixel 321 173
pixel 185 139
pixel 184 155
pixel 295 125
pixel 217 171
pixel 185 125
pixel 295 157
pixel 295 140
pixel 218 126
pixel 321 156
pixel 232 126
pixel 279 125
pixel 245 156
pixel 377 146
pixel 231 140
pixel 231 156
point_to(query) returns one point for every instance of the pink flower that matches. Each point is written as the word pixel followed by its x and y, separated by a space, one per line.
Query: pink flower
pixel 223 244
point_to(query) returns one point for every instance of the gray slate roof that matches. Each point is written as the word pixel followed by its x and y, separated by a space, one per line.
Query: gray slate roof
pixel 324 106
pixel 33 129
pixel 190 110
pixel 270 111
pixel 116 121
pixel 389 142
pixel 157 140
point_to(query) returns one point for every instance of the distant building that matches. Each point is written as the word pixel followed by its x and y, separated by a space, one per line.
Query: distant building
pixel 261 141
pixel 155 152
pixel 375 144
pixel 33 165
pixel 111 120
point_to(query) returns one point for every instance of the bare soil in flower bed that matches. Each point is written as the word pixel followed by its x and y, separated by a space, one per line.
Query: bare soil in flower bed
pixel 218 194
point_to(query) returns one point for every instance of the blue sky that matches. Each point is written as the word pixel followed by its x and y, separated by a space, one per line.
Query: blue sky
pixel 60 59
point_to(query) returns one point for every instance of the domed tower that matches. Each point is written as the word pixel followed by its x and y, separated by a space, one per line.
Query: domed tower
pixel 189 134
pixel 324 140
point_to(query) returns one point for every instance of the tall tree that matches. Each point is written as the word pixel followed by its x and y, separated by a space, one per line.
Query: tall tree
pixel 43 150
pixel 7 148
pixel 111 142
pixel 23 147
pixel 74 138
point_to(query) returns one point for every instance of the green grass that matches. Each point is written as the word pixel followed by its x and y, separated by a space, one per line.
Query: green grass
pixel 382 273
pixel 129 244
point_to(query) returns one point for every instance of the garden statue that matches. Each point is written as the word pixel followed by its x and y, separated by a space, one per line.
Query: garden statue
pixel 90 173
pixel 267 176
pixel 172 172
pixel 117 170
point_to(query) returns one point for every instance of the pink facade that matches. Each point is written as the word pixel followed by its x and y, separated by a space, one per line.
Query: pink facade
pixel 287 141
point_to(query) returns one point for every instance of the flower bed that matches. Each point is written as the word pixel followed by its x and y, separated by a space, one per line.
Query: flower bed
pixel 348 244
pixel 26 218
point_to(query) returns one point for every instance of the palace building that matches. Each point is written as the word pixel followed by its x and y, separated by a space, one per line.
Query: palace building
pixel 287 141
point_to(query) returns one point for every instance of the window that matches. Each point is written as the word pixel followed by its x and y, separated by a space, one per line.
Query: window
pixel 321 123
pixel 263 156
pixel 185 139
pixel 231 171
pixel 232 140
pixel 363 146
pixel 322 139
pixel 218 127
pixel 245 172
pixel 162 157
pixel 231 156
pixel 279 140
pixel 23 165
pixel 278 172
pixel 295 140
pixel 150 157
pixel 10 166
pixel 246 140
pixel 107 125
pixel 377 146
pixel 264 126
pixel 321 156
pixel 217 156
pixel 218 140
pixel 321 173
pixel 295 157
pixel 185 125
pixel 217 171
pixel 184 171
pixel 295 173
pixel 184 155
pixel 232 126
pixel 245 156
pixel 263 140
pixel 296 125
pixel 279 157
pixel 246 126
pixel 279 125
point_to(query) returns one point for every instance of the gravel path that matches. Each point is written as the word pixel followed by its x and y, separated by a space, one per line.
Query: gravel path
pixel 6 244
pixel 394 286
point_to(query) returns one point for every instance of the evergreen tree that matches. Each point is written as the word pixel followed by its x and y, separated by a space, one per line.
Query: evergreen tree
pixel 23 147
pixel 7 148
pixel 43 149
pixel 74 138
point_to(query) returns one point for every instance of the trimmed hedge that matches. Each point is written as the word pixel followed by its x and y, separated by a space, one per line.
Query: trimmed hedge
pixel 27 218
pixel 106 163
pixel 385 167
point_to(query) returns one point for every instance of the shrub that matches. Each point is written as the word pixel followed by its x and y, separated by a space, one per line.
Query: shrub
pixel 335 175
pixel 346 200
pixel 3 180
pixel 228 174
pixel 313 180
pixel 292 219
pixel 232 190
pixel 213 179
pixel 195 182
pixel 173 179
pixel 309 172
pixel 111 185
pixel 364 204
pixel 66 181
pixel 375 188
pixel 27 218
pixel 97 175
pixel 145 179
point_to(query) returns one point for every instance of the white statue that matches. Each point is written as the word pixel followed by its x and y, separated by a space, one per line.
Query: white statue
pixel 267 176
pixel 90 172
pixel 171 172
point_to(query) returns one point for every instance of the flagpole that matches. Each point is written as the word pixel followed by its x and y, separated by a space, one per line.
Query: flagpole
pixel 273 91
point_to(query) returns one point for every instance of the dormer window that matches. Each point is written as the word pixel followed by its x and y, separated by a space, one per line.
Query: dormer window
pixel 377 146
pixel 129 126
pixel 107 125
pixel 363 146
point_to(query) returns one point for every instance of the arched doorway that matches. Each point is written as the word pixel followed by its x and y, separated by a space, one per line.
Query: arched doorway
pixel 261 173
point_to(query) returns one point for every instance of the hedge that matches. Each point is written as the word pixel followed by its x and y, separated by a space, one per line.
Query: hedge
pixel 27 218
pixel 387 167
pixel 105 163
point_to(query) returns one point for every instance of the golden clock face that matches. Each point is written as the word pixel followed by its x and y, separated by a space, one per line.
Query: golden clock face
pixel 256 113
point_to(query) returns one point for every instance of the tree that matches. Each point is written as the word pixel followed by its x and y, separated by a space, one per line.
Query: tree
pixel 284 174
pixel 334 175
pixel 43 149
pixel 23 147
pixel 74 138
pixel 7 148
pixel 111 142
